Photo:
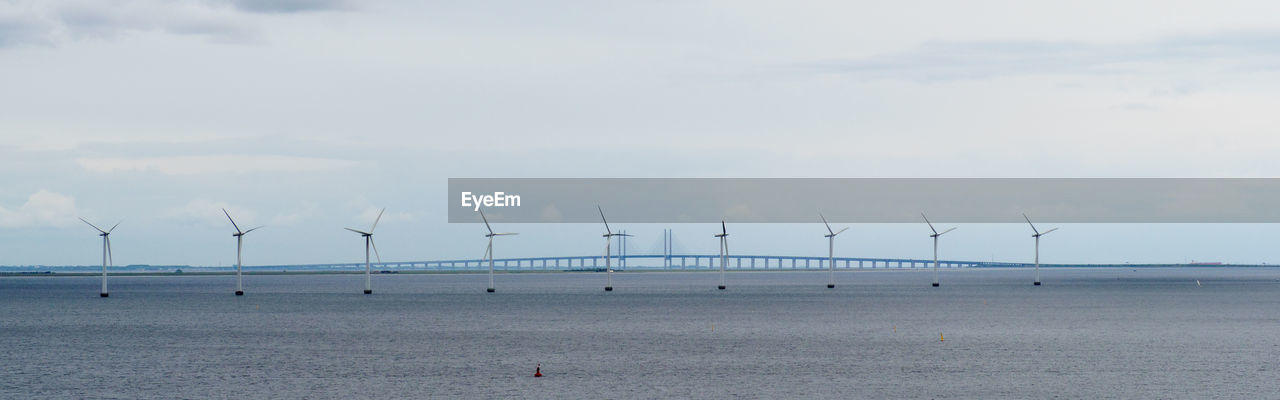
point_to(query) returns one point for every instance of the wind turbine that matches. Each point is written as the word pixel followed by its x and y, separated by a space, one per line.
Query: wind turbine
pixel 239 244
pixel 608 240
pixel 106 253
pixel 1037 236
pixel 724 251
pixel 488 252
pixel 831 251
pixel 368 242
pixel 935 246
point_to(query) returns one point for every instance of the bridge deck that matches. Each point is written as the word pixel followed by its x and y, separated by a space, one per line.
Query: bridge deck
pixel 654 261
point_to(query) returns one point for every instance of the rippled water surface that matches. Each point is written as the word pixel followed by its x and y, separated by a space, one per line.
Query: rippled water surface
pixel 1087 333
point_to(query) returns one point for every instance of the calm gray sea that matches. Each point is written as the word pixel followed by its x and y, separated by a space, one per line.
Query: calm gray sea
pixel 1087 333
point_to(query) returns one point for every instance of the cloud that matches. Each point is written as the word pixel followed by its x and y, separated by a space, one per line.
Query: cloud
pixel 296 216
pixel 226 21
pixel 209 213
pixel 291 6
pixel 222 164
pixel 15 29
pixel 43 208
pixel 947 61
pixel 371 213
pixel 51 142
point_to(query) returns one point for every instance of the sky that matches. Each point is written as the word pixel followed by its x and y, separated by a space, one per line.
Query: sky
pixel 307 116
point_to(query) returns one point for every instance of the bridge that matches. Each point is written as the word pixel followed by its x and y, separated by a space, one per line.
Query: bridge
pixel 648 262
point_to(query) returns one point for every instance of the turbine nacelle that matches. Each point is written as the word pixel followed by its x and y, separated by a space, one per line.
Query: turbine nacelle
pixel 491 232
pixel 1033 228
pixel 830 233
pixel 100 231
pixel 724 231
pixel 369 235
pixel 1039 234
pixel 935 231
pixel 233 224
pixel 362 233
pixel 106 244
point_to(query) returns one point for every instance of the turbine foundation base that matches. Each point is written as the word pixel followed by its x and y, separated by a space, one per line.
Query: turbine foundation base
pixel 1037 283
pixel 608 288
pixel 368 291
pixel 490 290
pixel 721 287
pixel 239 293
pixel 102 295
pixel 935 284
pixel 831 286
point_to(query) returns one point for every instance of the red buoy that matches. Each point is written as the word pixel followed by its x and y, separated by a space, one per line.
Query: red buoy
pixel 538 372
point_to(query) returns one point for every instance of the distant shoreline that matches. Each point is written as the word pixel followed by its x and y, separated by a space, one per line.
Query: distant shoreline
pixel 51 273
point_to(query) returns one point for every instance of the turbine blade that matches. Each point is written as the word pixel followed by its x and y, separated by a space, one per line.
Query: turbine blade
pixel 723 229
pixel 113 227
pixel 486 221
pixel 506 234
pixel 842 230
pixel 233 222
pixel 111 260
pixel 1047 232
pixel 254 229
pixel 375 249
pixel 360 232
pixel 1033 226
pixel 948 230
pixel 926 220
pixel 824 222
pixel 94 226
pixel 375 220
pixel 606 222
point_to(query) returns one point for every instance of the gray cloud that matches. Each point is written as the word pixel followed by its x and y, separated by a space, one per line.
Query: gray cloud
pixel 290 6
pixel 946 61
pixel 17 30
pixel 46 23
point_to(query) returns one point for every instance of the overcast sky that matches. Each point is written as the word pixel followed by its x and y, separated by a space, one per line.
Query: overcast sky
pixel 309 115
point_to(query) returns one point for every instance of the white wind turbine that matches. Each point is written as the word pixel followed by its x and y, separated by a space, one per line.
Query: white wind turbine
pixel 935 236
pixel 488 252
pixel 106 253
pixel 831 251
pixel 239 235
pixel 368 242
pixel 724 251
pixel 1037 235
pixel 608 255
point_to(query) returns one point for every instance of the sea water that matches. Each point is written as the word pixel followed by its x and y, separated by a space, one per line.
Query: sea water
pixel 985 333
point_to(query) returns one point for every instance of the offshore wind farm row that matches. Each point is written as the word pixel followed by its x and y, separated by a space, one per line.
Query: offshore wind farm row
pixel 371 250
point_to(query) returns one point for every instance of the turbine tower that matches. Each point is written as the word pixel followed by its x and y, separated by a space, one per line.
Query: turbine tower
pixel 1037 235
pixel 608 240
pixel 831 251
pixel 488 252
pixel 368 242
pixel 106 253
pixel 724 251
pixel 935 236
pixel 239 235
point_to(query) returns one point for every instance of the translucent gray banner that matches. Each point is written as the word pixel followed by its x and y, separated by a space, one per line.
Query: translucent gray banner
pixel 874 200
